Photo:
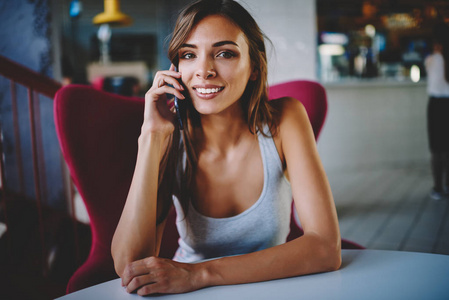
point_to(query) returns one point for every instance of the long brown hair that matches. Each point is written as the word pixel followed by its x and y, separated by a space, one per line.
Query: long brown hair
pixel 254 100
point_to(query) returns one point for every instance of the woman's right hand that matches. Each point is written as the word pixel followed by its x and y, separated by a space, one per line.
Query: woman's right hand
pixel 158 117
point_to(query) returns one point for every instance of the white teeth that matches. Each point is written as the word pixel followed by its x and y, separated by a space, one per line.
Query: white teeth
pixel 207 91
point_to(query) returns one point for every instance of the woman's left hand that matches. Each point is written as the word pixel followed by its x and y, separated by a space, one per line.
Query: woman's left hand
pixel 154 275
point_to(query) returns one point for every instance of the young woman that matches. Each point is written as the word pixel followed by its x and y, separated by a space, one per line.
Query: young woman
pixel 227 176
pixel 437 67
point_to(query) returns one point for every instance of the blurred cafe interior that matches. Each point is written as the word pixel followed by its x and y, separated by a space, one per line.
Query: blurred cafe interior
pixel 367 54
pixel 375 39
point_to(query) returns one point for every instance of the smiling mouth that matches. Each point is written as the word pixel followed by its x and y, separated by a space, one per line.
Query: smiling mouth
pixel 209 91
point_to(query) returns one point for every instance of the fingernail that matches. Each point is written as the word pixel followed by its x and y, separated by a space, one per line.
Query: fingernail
pixel 180 87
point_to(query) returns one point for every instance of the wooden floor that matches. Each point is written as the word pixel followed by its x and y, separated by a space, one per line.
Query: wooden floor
pixel 390 209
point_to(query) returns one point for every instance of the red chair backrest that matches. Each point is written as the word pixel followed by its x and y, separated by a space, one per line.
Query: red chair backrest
pixel 311 94
pixel 98 134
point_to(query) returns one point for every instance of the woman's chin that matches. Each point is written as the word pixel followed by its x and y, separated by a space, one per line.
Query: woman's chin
pixel 206 111
pixel 206 108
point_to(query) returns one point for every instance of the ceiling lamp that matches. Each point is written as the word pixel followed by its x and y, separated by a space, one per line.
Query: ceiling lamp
pixel 112 15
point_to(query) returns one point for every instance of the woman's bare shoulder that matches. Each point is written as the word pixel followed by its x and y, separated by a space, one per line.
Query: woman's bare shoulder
pixel 291 121
pixel 288 109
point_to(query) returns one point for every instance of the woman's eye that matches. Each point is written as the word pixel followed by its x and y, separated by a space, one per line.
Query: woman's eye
pixel 226 54
pixel 187 56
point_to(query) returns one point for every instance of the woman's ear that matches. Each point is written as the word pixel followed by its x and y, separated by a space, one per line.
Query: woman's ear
pixel 254 74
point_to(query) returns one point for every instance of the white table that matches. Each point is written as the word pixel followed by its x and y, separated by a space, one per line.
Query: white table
pixel 365 274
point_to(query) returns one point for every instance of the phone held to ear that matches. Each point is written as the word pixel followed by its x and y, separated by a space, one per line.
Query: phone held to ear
pixel 180 107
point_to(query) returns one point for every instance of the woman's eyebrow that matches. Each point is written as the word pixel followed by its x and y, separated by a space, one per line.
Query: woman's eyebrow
pixel 222 43
pixel 188 46
pixel 217 44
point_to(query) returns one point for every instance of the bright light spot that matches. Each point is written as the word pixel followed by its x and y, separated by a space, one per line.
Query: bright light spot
pixel 334 38
pixel 104 33
pixel 370 30
pixel 331 49
pixel 3 229
pixel 415 73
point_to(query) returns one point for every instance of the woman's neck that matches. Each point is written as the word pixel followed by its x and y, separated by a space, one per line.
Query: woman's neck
pixel 220 133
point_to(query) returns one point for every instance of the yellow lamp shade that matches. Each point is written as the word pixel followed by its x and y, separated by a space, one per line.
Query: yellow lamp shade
pixel 112 15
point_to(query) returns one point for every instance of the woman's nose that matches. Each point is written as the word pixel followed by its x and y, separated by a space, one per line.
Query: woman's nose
pixel 206 70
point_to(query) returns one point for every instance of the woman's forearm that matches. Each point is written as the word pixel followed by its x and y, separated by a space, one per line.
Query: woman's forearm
pixel 305 255
pixel 136 233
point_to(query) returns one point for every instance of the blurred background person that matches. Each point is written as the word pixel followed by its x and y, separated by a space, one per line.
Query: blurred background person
pixel 437 66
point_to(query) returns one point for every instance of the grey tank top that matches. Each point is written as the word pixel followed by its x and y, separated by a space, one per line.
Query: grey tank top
pixel 265 224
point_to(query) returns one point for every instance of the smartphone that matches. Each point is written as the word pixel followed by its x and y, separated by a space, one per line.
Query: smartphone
pixel 180 107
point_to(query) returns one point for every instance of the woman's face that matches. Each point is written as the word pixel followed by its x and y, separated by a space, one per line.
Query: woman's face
pixel 215 64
